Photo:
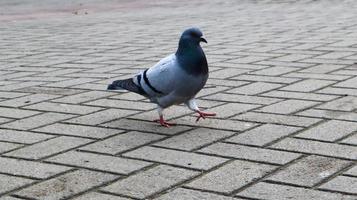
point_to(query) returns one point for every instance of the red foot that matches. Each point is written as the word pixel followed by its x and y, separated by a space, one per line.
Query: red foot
pixel 163 122
pixel 203 115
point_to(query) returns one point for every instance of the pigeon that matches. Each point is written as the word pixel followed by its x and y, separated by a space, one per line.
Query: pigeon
pixel 175 79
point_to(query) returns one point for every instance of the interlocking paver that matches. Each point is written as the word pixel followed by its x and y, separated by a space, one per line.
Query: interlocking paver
pixel 99 162
pixel 329 131
pixel 66 185
pixel 180 158
pixel 101 196
pixel 30 168
pixel 316 147
pixel 101 116
pixel 30 99
pixel 78 130
pixel 122 142
pixel 22 136
pixel 48 147
pixel 284 91
pixel 6 146
pixel 250 153
pixel 263 135
pixel 187 194
pixel 36 121
pixel 63 108
pixel 307 85
pixel 309 170
pixel 255 88
pixel 8 183
pixel 287 106
pixel 277 119
pixel 282 192
pixel 232 176
pixel 149 182
pixel 194 139
pixel 342 183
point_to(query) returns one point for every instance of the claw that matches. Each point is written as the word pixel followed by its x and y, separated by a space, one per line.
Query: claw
pixel 164 123
pixel 203 115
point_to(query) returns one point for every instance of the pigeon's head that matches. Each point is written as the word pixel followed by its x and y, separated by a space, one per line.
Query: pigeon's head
pixel 192 36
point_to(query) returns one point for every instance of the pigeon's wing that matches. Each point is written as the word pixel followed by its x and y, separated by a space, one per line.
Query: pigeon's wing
pixel 159 80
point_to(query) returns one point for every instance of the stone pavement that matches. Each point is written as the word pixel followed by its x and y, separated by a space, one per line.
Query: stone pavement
pixel 283 81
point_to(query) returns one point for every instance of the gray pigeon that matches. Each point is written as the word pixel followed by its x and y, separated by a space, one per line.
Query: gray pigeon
pixel 175 79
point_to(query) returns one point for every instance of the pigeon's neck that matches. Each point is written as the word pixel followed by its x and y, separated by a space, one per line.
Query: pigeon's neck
pixel 192 59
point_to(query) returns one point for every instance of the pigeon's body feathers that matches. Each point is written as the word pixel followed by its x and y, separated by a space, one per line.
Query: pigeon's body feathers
pixel 167 83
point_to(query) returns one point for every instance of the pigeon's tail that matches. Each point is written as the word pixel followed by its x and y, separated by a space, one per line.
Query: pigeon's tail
pixel 126 84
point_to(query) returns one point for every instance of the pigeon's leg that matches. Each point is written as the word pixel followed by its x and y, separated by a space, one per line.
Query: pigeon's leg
pixel 193 106
pixel 161 120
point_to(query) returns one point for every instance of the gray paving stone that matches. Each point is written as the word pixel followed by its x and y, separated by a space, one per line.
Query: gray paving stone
pixel 22 136
pixel 300 95
pixel 350 83
pixel 25 100
pixel 316 76
pixel 308 85
pixel 343 104
pixel 66 185
pixel 180 158
pixel 30 168
pixel 194 139
pixel 309 171
pixel 250 153
pixel 274 71
pixel 228 72
pixel 36 121
pixel 9 198
pixel 342 184
pixel 315 147
pixel 338 91
pixel 277 119
pixel 99 162
pixel 122 142
pixel 263 135
pixel 231 176
pixel 287 106
pixel 350 140
pixel 235 98
pixel 187 194
pixel 101 116
pixel 145 126
pixel 231 109
pixel 97 196
pixel 282 192
pixel 255 88
pixel 8 183
pixel 230 125
pixel 352 171
pixel 329 114
pixel 113 103
pixel 83 97
pixel 149 182
pixel 16 113
pixel 269 79
pixel 6 146
pixel 78 130
pixel 329 131
pixel 49 147
pixel 71 82
pixel 63 108
pixel 322 69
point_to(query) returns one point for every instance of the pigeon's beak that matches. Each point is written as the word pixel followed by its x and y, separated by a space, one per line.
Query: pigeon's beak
pixel 203 40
